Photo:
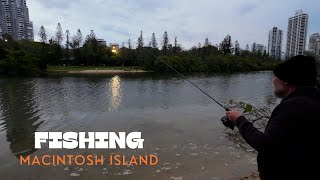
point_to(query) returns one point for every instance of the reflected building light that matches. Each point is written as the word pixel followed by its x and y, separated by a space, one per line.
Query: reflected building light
pixel 115 93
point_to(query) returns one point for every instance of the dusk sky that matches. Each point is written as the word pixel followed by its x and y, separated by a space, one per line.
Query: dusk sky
pixel 191 21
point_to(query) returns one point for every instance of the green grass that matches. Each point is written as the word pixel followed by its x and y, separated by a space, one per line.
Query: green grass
pixel 82 68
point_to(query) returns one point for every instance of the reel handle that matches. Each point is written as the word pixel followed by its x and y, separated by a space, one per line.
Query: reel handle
pixel 227 122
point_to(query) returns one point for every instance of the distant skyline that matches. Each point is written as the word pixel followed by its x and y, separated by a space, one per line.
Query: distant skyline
pixel 247 21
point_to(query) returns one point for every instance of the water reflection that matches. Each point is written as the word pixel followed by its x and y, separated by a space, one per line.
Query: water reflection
pixel 76 104
pixel 20 117
pixel 115 93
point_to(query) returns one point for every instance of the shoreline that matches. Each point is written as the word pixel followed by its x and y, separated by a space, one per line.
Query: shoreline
pixel 109 71
pixel 95 70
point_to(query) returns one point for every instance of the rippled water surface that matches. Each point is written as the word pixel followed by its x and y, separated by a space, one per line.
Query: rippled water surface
pixel 178 123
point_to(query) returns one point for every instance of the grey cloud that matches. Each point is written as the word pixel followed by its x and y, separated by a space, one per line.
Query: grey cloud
pixel 248 8
pixel 61 4
pixel 192 21
pixel 115 29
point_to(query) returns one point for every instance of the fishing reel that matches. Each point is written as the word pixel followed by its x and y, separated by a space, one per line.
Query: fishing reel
pixel 227 122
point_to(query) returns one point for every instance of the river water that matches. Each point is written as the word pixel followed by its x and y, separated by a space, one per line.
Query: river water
pixel 179 124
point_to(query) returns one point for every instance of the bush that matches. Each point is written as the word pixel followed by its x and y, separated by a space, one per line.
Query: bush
pixel 20 62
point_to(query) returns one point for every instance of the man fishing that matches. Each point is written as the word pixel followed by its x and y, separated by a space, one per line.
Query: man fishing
pixel 288 148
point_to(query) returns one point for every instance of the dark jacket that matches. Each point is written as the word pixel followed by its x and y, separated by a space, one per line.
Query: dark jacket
pixel 290 146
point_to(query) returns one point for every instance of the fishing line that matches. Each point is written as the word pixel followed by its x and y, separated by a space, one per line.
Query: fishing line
pixel 185 78
pixel 204 92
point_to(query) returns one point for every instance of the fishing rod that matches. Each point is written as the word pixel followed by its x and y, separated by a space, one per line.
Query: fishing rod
pixel 225 120
pixel 185 78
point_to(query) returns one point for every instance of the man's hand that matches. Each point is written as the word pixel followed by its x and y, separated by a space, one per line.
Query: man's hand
pixel 234 115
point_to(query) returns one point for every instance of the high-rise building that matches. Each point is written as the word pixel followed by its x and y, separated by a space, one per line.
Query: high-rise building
pixel 14 19
pixel 297 34
pixel 314 44
pixel 102 42
pixel 275 43
pixel 258 48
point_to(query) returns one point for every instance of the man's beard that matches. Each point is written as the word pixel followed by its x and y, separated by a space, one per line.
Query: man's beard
pixel 280 92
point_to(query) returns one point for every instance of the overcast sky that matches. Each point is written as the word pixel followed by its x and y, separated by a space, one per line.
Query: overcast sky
pixel 191 21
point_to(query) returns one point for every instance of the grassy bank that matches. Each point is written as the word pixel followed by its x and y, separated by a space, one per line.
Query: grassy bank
pixel 86 68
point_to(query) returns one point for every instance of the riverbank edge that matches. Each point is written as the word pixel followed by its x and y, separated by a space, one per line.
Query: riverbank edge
pixel 102 71
pixel 94 70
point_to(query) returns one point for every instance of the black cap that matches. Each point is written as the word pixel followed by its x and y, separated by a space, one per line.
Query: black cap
pixel 299 70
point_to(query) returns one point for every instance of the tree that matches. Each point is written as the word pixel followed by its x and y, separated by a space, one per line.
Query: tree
pixel 265 55
pixel 129 44
pixel 91 36
pixel 206 42
pixel 43 35
pixel 76 42
pixel 226 45
pixel 3 52
pixel 140 40
pixel 59 34
pixel 43 39
pixel 67 39
pixel 7 37
pixel 199 45
pixel 247 47
pixel 254 47
pixel 236 48
pixel 153 42
pixel 79 38
pixel 199 48
pixel 176 47
pixel 176 42
pixel 170 48
pixel 260 51
pixel 67 43
pixel 201 58
pixel 165 42
pixel 129 55
pixel 51 40
pixel 91 47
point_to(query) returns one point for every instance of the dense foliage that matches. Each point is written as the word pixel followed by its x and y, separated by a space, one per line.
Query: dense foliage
pixel 20 57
